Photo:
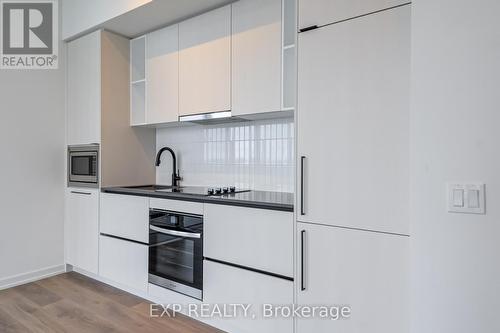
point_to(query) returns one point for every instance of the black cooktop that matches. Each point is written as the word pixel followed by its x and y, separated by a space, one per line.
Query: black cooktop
pixel 193 190
pixel 204 191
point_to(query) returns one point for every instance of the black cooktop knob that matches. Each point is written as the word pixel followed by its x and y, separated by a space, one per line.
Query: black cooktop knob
pixel 210 191
pixel 218 190
pixel 225 190
pixel 232 189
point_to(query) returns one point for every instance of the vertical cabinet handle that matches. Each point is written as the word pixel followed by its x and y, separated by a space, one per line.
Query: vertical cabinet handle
pixel 302 209
pixel 302 260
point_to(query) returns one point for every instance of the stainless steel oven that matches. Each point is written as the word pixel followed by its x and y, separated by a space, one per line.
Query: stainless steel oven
pixel 176 251
pixel 83 165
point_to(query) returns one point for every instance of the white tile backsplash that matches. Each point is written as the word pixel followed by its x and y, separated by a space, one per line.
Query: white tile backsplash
pixel 257 155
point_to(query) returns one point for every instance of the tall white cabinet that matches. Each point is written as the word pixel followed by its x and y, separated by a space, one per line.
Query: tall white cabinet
pixel 322 12
pixel 352 163
pixel 353 123
pixel 362 270
pixel 98 112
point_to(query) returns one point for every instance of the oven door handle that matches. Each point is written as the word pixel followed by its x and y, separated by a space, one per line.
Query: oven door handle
pixel 175 232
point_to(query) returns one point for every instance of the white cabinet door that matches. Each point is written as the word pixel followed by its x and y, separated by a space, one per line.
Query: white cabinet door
pixel 125 216
pixel 84 90
pixel 82 228
pixel 162 75
pixel 205 63
pixel 256 56
pixel 224 284
pixel 353 123
pixel 321 12
pixel 124 262
pixel 365 271
pixel 255 238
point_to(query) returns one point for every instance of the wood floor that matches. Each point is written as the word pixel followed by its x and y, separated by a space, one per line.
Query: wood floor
pixel 73 303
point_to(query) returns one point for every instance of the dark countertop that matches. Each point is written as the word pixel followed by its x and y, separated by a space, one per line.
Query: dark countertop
pixel 281 201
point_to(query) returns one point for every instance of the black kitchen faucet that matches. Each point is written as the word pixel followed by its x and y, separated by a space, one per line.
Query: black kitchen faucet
pixel 175 176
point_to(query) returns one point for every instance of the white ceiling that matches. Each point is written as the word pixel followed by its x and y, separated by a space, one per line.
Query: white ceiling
pixel 157 14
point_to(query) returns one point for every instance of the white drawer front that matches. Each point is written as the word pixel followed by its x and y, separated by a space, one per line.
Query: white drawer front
pixel 177 206
pixel 255 238
pixel 124 262
pixel 125 216
pixel 229 285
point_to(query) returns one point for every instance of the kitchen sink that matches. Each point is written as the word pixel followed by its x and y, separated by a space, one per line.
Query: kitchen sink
pixel 158 188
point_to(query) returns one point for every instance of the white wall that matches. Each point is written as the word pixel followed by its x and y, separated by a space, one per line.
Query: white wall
pixel 82 15
pixel 32 145
pixel 256 155
pixel 455 136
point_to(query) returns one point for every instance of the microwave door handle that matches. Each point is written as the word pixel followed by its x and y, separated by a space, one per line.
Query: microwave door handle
pixel 175 232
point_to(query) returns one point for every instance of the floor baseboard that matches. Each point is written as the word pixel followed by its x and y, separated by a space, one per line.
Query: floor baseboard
pixel 99 278
pixel 24 278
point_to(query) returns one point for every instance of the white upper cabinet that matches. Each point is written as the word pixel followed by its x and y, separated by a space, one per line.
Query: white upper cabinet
pixel 353 123
pixel 205 63
pixel 366 271
pixel 239 58
pixel 84 90
pixel 321 12
pixel 256 56
pixel 162 75
pixel 138 81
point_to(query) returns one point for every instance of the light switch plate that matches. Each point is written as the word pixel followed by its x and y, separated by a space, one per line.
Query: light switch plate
pixel 467 198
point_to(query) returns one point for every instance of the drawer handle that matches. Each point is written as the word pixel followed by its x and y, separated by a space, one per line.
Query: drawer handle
pixel 83 193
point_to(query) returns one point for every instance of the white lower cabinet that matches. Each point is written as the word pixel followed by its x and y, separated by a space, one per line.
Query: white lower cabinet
pixel 124 262
pixel 225 284
pixel 125 216
pixel 366 271
pixel 259 239
pixel 82 228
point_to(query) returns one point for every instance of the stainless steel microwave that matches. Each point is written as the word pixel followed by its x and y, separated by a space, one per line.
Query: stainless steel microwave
pixel 83 165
